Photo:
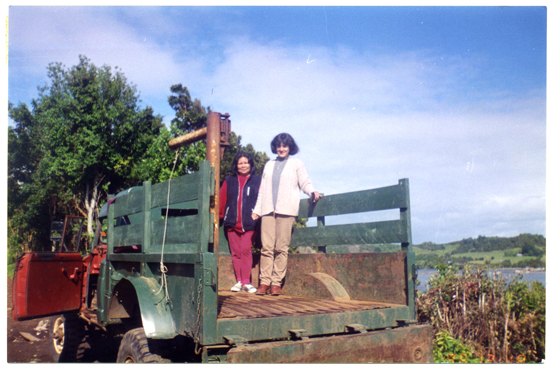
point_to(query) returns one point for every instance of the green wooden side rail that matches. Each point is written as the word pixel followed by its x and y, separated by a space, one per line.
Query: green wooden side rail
pixel 385 198
pixel 188 229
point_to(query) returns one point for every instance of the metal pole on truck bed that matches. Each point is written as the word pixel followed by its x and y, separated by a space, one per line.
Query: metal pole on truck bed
pixel 213 124
pixel 216 132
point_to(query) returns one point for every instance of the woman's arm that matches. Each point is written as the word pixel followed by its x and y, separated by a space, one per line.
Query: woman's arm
pixel 303 179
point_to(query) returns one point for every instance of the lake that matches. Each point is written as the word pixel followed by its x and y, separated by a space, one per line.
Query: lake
pixel 540 276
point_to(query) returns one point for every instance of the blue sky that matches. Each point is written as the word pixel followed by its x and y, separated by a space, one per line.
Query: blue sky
pixel 453 98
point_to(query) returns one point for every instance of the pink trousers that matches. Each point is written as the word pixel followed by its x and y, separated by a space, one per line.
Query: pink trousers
pixel 240 245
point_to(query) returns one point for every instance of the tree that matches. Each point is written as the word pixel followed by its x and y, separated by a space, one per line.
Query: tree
pixel 158 159
pixel 86 134
pixel 260 158
pixel 190 114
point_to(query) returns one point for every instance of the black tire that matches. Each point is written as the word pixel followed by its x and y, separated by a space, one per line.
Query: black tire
pixel 134 348
pixel 68 338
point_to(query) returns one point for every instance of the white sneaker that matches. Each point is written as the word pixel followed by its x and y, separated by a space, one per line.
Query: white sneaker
pixel 237 287
pixel 249 288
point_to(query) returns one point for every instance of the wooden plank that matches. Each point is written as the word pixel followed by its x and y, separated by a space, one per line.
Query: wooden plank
pixel 263 328
pixel 126 235
pixel 361 233
pixel 405 215
pixel 182 229
pixel 242 305
pixel 175 248
pixel 146 217
pixel 182 189
pixel 385 198
pixel 205 189
pixel 130 203
pixel 154 257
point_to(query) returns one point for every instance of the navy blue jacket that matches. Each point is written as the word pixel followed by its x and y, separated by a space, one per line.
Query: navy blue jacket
pixel 250 195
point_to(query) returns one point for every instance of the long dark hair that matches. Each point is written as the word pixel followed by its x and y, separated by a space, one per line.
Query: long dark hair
pixel 287 140
pixel 239 155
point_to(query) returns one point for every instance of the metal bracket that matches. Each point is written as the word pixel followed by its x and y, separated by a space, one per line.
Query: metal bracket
pixel 355 328
pixel 298 334
pixel 209 277
pixel 235 340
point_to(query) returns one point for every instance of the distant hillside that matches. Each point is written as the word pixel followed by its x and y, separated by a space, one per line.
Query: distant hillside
pixel 525 250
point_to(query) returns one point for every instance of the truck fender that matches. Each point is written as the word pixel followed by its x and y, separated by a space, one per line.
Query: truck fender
pixel 156 313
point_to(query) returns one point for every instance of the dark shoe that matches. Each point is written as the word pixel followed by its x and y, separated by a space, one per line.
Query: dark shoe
pixel 275 290
pixel 262 290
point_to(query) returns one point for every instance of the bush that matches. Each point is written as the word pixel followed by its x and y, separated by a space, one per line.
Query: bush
pixel 450 350
pixel 500 322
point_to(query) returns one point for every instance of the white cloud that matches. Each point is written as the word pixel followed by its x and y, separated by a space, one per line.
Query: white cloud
pixel 358 128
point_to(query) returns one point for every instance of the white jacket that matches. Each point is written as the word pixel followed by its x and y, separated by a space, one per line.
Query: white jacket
pixel 293 179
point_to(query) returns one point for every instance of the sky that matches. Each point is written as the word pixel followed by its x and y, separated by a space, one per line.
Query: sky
pixel 452 98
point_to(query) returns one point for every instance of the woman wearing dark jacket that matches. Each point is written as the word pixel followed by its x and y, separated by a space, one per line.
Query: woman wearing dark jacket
pixel 238 196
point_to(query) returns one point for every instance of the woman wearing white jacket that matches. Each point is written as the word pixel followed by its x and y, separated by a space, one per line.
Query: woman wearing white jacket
pixel 277 204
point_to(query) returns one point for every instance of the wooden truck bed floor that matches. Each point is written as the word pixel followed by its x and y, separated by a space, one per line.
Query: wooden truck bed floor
pixel 240 305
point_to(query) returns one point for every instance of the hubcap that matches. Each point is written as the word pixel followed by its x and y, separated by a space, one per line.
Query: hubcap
pixel 58 334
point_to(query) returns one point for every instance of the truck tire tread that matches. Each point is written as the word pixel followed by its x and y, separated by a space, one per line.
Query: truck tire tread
pixel 134 348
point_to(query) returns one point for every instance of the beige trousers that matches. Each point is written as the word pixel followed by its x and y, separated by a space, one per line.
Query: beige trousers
pixel 276 233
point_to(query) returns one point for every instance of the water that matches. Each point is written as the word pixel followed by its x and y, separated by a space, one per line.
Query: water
pixel 425 274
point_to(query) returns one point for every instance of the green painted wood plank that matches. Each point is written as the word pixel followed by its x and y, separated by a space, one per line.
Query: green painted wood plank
pixel 361 233
pixel 209 308
pixel 182 189
pixel 205 227
pixel 110 230
pixel 405 215
pixel 186 258
pixel 146 217
pixel 277 327
pixel 178 230
pixel 175 248
pixel 384 198
pixel 130 203
pixel 126 235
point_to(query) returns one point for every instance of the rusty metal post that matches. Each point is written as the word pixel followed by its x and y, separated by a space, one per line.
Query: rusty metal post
pixel 216 132
pixel 187 139
pixel 213 125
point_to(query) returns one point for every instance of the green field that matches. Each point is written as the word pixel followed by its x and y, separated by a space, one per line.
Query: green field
pixel 486 251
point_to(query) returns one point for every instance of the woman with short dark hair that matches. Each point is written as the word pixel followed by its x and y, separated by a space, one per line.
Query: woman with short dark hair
pixel 278 203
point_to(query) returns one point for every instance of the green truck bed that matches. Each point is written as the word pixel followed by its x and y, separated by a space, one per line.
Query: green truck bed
pixel 351 300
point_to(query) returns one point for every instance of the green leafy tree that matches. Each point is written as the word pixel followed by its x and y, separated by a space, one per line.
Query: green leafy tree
pixel 85 134
pixel 190 114
pixel 158 160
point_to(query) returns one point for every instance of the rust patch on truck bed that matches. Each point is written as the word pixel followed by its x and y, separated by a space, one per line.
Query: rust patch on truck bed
pixel 379 277
pixel 243 305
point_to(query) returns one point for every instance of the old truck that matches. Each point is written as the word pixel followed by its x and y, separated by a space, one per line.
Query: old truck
pixel 160 280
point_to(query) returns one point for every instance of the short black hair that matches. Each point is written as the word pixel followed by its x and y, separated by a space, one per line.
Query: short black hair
pixel 239 155
pixel 287 140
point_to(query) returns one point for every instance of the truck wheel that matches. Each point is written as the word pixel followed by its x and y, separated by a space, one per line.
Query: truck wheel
pixel 68 338
pixel 134 348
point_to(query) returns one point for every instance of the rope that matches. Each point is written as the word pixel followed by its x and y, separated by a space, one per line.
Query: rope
pixel 163 268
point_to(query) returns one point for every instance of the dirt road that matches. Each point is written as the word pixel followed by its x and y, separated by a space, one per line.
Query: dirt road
pixel 21 349
pixel 28 341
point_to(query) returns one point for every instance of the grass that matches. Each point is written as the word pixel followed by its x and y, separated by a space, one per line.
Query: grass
pixel 479 258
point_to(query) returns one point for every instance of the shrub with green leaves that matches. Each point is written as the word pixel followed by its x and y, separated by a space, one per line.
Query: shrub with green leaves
pixel 500 321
